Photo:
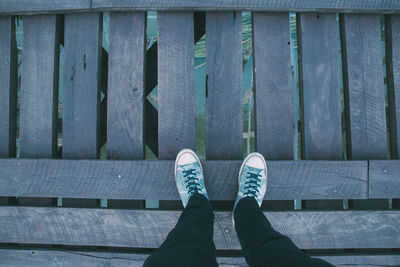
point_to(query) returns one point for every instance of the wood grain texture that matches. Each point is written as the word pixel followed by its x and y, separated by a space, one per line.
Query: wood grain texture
pixel 8 86
pixel 95 179
pixel 176 91
pixel 392 38
pixel 224 111
pixel 384 179
pixel 351 6
pixel 322 138
pixel 81 85
pixel 42 6
pixel 125 98
pixel 39 87
pixel 273 85
pixel 365 84
pixel 34 257
pixel 148 229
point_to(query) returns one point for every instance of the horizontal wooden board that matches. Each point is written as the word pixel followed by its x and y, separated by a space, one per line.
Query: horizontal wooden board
pixel 384 179
pixel 110 179
pixel 42 6
pixel 148 229
pixel 348 6
pixel 34 257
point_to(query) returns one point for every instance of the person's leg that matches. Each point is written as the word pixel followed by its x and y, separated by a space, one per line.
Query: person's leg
pixel 190 243
pixel 261 244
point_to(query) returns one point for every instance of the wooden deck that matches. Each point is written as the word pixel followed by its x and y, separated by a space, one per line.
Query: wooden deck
pixel 53 208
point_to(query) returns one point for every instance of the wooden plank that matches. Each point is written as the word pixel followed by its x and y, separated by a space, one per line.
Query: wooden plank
pixel 57 6
pixel 82 43
pixel 95 179
pixel 35 257
pixel 125 121
pixel 39 87
pixel 350 6
pixel 148 229
pixel 392 38
pixel 224 111
pixel 273 85
pixel 8 87
pixel 176 91
pixel 322 138
pixel 365 85
pixel 81 93
pixel 384 179
pixel 42 6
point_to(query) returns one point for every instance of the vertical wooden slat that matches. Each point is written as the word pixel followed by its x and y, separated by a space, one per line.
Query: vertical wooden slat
pixel 125 126
pixel 224 118
pixel 39 92
pixel 322 138
pixel 126 92
pixel 82 51
pixel 320 91
pixel 81 92
pixel 392 37
pixel 8 86
pixel 176 91
pixel 365 87
pixel 273 85
pixel 39 87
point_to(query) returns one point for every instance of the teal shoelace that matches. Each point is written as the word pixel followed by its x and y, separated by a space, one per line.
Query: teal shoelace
pixel 252 185
pixel 191 181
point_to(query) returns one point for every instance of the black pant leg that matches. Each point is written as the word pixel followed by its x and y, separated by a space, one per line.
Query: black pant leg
pixel 261 244
pixel 190 243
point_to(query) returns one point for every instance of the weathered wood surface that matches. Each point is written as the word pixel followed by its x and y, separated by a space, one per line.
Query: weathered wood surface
pixel 384 179
pixel 322 137
pixel 39 87
pixel 8 86
pixel 148 229
pixel 288 180
pixel 42 6
pixel 81 91
pixel 392 37
pixel 176 87
pixel 273 85
pixel 34 257
pixel 125 98
pixel 349 6
pixel 365 85
pixel 224 112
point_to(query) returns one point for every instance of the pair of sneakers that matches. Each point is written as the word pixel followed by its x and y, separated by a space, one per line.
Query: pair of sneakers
pixel 190 180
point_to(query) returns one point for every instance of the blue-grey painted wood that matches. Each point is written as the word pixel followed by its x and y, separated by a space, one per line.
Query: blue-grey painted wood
pixel 148 229
pixel 176 91
pixel 43 6
pixel 81 93
pixel 330 6
pixel 224 112
pixel 8 86
pixel 137 180
pixel 273 85
pixel 322 136
pixel 384 179
pixel 365 85
pixel 39 87
pixel 125 98
pixel 35 257
pixel 392 37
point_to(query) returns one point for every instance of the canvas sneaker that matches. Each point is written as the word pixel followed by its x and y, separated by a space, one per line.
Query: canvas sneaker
pixel 189 175
pixel 252 178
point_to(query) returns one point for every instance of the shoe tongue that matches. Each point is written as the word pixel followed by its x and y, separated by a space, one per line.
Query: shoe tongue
pixel 253 169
